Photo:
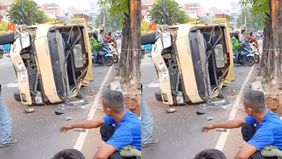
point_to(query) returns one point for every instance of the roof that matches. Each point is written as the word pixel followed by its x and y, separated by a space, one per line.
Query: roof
pixel 217 11
pixel 74 11
pixel 148 2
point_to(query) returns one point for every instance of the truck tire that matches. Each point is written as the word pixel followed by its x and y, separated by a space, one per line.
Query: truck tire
pixel 158 96
pixel 7 38
pixel 17 96
pixel 148 38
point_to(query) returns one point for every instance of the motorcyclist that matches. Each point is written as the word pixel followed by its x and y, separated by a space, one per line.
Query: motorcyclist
pixel 110 39
pixel 236 46
pixel 245 48
pixel 95 46
pixel 102 43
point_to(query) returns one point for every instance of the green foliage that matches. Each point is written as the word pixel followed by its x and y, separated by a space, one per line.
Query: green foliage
pixel 256 12
pixel 117 9
pixel 29 15
pixel 172 14
pixel 112 22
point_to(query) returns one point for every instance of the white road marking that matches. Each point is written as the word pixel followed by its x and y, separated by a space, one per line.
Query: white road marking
pixel 12 84
pixel 82 136
pixel 223 136
pixel 154 84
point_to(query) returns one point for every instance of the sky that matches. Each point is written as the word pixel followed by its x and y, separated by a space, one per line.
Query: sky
pixel 220 4
pixel 84 4
pixel 79 4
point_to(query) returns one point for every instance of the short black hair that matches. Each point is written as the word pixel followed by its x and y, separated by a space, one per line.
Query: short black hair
pixel 101 31
pixel 242 31
pixel 210 154
pixel 255 100
pixel 114 100
pixel 69 154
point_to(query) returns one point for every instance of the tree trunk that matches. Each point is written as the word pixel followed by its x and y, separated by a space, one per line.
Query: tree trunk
pixel 129 66
pixel 271 60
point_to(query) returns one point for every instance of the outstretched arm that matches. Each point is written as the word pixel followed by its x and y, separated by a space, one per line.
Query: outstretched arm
pixel 87 124
pixel 229 124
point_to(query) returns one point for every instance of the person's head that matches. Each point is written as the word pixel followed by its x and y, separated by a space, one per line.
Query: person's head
pixel 243 32
pixel 210 154
pixel 110 33
pixel 102 31
pixel 251 33
pixel 254 102
pixel 69 154
pixel 113 102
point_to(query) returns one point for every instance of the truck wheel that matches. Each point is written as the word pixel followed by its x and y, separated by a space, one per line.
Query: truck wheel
pixel 158 96
pixel 17 96
pixel 148 38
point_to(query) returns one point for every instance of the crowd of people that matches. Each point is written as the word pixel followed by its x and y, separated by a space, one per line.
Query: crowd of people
pixel 241 42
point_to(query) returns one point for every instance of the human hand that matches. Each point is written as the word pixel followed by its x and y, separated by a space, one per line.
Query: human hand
pixel 207 128
pixel 65 128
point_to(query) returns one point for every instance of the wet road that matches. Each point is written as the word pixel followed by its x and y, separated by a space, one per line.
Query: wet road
pixel 179 132
pixel 38 133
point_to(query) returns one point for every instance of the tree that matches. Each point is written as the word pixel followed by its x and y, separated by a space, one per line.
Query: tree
pixel 167 12
pixel 271 67
pixel 129 12
pixel 28 13
pixel 111 21
pixel 254 21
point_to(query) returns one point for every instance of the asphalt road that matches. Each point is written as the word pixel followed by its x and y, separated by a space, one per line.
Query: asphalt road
pixel 179 132
pixel 38 133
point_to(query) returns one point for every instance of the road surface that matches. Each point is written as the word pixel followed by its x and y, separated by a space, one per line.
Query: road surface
pixel 179 132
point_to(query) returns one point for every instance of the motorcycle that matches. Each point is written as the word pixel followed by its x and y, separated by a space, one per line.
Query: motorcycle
pixel 246 56
pixel 114 51
pixel 255 50
pixel 103 56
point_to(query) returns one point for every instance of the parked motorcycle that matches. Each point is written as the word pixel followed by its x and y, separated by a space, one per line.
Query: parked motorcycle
pixel 255 50
pixel 103 56
pixel 246 56
pixel 114 51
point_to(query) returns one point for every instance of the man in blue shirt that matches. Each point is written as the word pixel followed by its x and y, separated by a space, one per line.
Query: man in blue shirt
pixel 119 128
pixel 260 128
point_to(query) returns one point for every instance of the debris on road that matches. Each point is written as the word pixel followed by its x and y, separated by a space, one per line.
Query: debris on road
pixel 90 92
pixel 29 110
pixel 116 86
pixel 257 85
pixel 221 130
pixel 77 102
pixel 200 113
pixel 80 130
pixel 209 118
pixel 59 113
pixel 68 118
pixel 170 110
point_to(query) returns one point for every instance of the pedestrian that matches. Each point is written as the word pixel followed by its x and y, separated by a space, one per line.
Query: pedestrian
pixel 261 129
pixel 120 129
pixel 147 124
pixel 210 154
pixel 5 125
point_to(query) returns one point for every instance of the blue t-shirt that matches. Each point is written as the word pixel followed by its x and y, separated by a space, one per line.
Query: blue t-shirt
pixel 269 131
pixel 127 132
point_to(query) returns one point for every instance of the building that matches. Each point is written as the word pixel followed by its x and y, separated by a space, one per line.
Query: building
pixel 52 10
pixel 194 10
pixel 217 13
pixel 4 7
pixel 145 7
pixel 75 13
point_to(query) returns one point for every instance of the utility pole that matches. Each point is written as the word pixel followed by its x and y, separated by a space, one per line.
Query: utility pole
pixel 163 10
